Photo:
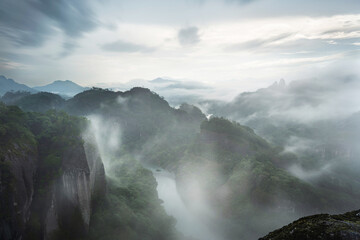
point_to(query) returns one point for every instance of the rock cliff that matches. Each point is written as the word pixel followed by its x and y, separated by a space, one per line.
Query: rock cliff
pixel 50 174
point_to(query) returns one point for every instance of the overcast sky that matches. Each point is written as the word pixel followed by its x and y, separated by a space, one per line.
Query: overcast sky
pixel 240 44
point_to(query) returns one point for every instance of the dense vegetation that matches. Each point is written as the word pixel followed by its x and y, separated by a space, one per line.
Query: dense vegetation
pixel 38 102
pixel 11 98
pixel 36 143
pixel 131 209
pixel 131 204
pixel 244 177
pixel 14 128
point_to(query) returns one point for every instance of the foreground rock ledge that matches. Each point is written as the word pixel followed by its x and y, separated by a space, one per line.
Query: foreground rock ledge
pixel 322 226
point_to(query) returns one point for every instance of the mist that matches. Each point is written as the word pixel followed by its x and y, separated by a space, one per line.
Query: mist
pixel 178 120
pixel 194 217
pixel 315 119
pixel 107 135
pixel 205 176
pixel 200 186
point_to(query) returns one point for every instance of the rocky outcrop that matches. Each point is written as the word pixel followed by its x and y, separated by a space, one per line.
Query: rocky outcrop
pixel 17 170
pixel 96 167
pixel 322 226
pixel 83 179
pixel 67 202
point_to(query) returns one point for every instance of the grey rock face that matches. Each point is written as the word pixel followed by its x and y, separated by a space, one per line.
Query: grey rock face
pixel 17 200
pixel 82 177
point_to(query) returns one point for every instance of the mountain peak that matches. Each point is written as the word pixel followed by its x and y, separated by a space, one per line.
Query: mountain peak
pixel 62 81
pixel 278 85
pixel 282 83
pixel 8 84
pixel 63 87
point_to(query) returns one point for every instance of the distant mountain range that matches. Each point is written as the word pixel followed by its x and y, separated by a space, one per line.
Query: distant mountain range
pixel 7 85
pixel 174 91
pixel 65 88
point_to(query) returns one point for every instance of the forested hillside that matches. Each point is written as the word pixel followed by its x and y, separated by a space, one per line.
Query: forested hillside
pixel 236 178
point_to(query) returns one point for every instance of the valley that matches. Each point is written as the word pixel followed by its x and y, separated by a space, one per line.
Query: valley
pixel 210 178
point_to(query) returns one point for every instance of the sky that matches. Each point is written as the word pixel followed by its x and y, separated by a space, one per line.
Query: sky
pixel 239 45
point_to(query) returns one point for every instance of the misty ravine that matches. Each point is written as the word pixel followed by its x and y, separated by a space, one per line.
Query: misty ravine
pixel 193 225
pixel 187 222
pixel 171 173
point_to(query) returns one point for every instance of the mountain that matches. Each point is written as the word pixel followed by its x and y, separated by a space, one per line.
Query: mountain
pixel 66 88
pixel 49 175
pixel 322 226
pixel 53 184
pixel 282 112
pixel 40 102
pixel 174 91
pixel 299 117
pixel 242 177
pixel 7 85
pixel 240 173
pixel 11 98
pixel 37 102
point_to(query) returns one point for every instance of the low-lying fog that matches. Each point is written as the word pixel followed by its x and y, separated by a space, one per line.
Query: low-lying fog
pixel 189 223
pixel 321 115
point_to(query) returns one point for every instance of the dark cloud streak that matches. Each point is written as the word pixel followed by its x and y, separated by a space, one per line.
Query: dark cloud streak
pixel 29 23
pixel 342 30
pixel 73 17
pixel 122 46
pixel 22 24
pixel 68 48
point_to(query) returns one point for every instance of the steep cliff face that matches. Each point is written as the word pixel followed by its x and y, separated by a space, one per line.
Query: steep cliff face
pixel 18 164
pixel 49 175
pixel 17 170
pixel 82 179
pixel 95 164
pixel 65 207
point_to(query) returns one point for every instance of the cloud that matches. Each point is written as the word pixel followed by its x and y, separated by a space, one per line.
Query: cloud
pixel 68 48
pixel 22 24
pixel 258 43
pixel 188 36
pixel 163 80
pixel 216 25
pixel 8 64
pixel 187 85
pixel 127 47
pixel 240 1
pixel 74 17
pixel 343 30
pixel 332 96
pixel 30 23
